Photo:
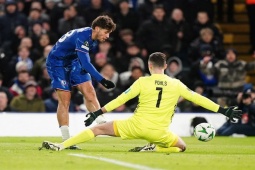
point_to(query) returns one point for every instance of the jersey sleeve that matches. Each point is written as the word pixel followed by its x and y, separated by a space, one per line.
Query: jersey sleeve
pixel 86 64
pixel 80 43
pixel 197 98
pixel 130 93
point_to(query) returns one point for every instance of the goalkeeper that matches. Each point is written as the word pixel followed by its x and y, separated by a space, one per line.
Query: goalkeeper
pixel 158 96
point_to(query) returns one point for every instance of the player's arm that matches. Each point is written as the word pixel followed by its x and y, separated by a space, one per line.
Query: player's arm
pixel 84 58
pixel 130 93
pixel 200 100
pixel 86 64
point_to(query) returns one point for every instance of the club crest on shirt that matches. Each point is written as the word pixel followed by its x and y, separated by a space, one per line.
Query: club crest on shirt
pixel 86 43
pixel 63 82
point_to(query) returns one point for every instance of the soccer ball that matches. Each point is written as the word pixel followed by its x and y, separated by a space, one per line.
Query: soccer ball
pixel 204 132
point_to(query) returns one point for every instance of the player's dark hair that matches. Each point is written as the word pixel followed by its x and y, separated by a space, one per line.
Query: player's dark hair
pixel 158 59
pixel 104 22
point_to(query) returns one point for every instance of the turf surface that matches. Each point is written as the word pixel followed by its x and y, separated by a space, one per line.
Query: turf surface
pixel 222 153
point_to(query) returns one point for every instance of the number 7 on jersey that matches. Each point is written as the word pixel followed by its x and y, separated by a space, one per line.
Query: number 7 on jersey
pixel 160 89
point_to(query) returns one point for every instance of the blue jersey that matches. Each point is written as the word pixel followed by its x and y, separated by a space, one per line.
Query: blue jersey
pixel 75 45
pixel 77 39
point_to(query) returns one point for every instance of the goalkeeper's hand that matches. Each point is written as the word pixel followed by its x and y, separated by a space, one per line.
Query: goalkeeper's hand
pixel 231 112
pixel 92 116
pixel 107 83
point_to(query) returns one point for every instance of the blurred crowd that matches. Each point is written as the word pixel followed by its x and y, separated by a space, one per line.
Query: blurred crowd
pixel 182 29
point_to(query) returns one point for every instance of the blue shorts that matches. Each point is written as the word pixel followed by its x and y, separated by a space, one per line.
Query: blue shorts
pixel 65 77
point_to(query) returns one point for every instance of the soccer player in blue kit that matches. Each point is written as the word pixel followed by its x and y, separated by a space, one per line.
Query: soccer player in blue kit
pixel 69 65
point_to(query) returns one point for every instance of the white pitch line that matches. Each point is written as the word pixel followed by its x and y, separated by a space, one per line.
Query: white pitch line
pixel 121 163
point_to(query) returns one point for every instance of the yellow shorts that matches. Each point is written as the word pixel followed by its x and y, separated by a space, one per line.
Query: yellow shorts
pixel 127 129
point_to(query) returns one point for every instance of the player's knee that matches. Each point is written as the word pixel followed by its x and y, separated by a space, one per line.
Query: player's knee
pixel 90 97
pixel 64 105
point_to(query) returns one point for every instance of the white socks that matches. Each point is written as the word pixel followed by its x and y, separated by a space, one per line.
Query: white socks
pixel 65 132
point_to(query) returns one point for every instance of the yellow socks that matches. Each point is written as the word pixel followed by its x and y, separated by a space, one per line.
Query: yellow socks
pixel 168 150
pixel 84 136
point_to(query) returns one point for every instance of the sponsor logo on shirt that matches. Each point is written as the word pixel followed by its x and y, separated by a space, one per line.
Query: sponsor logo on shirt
pixel 85 45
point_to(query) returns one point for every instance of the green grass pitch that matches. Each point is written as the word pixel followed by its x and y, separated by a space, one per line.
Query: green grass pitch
pixel 222 153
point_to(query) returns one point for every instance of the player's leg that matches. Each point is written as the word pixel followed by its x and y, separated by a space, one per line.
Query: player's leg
pixel 161 141
pixel 170 143
pixel 60 81
pixel 91 101
pixel 64 98
pixel 123 128
pixel 88 134
pixel 82 80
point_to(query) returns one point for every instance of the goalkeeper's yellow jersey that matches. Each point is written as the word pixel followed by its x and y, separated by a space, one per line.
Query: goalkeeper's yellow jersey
pixel 158 97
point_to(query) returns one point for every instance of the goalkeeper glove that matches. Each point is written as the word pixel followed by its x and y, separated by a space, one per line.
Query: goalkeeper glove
pixel 92 117
pixel 107 83
pixel 231 112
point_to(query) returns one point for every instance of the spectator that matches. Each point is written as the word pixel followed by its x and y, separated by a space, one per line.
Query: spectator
pixel 206 38
pixel 38 5
pixel 70 20
pixel 247 124
pixel 18 85
pixel 181 35
pixel 126 78
pixel 94 9
pixel 126 18
pixel 51 103
pixel 109 71
pixel 126 38
pixel 192 7
pixel 43 41
pixel 47 29
pixel 5 89
pixel 35 32
pixel 203 21
pixel 23 55
pixel 21 7
pixel 57 12
pixel 2 7
pixel 34 16
pixel 247 88
pixel 133 52
pixel 100 60
pixel 147 7
pixel 29 100
pixel 37 67
pixel 174 68
pixel 232 72
pixel 44 82
pixel 10 21
pixel 203 69
pixel 20 33
pixel 250 6
pixel 27 42
pixel 4 107
pixel 155 32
